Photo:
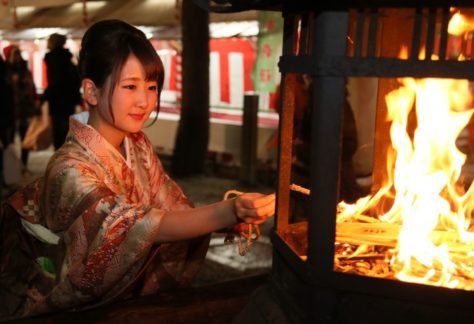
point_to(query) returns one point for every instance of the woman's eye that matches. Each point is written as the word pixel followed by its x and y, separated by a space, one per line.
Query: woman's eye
pixel 129 86
pixel 152 88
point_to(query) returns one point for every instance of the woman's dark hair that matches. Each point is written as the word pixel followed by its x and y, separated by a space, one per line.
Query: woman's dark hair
pixel 105 47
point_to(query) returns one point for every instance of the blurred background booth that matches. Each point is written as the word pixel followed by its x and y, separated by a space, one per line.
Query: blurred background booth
pixel 233 59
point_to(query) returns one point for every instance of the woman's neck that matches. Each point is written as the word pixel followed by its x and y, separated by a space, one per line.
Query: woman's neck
pixel 113 135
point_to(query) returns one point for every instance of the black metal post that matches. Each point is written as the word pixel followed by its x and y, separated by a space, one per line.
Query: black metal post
pixel 249 137
pixel 328 92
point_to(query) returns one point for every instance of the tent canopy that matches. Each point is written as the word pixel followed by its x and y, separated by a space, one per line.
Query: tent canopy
pixel 17 17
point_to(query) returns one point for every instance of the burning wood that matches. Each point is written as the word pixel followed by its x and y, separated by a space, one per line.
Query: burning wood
pixel 426 227
pixel 368 249
pixel 387 235
pixel 367 245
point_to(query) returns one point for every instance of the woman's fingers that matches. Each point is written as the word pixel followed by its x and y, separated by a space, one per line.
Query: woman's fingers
pixel 254 207
pixel 259 200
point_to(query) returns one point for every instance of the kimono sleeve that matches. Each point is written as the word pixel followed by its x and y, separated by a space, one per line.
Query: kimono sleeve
pixel 106 236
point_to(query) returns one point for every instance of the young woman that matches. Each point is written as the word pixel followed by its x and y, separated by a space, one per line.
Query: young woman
pixel 106 221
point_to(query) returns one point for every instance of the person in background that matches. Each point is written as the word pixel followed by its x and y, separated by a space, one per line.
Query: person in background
pixel 106 222
pixel 7 120
pixel 3 90
pixel 20 81
pixel 63 89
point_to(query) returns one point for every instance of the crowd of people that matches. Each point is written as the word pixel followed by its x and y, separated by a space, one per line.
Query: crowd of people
pixel 20 100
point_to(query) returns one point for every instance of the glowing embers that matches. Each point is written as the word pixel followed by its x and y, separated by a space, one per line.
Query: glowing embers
pixel 421 215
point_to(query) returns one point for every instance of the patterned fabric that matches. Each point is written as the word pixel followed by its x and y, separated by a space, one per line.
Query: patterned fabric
pixel 107 212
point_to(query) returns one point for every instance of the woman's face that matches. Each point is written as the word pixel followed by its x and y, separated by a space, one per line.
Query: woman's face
pixel 133 100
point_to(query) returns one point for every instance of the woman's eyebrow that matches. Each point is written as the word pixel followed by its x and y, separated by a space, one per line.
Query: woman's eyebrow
pixel 131 78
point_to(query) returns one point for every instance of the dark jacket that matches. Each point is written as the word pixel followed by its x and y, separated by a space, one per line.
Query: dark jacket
pixel 6 98
pixel 20 82
pixel 63 87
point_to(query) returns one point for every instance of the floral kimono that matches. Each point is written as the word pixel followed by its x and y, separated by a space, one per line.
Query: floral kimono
pixel 85 233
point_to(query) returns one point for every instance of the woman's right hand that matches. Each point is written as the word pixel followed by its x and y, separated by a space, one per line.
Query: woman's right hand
pixel 254 208
pixel 251 208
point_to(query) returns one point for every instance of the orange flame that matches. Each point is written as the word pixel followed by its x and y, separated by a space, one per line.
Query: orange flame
pixel 460 24
pixel 424 183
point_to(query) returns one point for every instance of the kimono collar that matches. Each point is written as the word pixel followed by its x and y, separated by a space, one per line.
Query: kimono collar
pixel 94 141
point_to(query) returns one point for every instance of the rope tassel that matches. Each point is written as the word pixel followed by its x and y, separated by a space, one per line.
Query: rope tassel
pixel 242 234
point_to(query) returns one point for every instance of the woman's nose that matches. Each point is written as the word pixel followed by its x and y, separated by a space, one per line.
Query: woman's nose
pixel 142 99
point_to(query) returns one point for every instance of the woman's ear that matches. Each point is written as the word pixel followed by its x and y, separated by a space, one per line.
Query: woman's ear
pixel 90 92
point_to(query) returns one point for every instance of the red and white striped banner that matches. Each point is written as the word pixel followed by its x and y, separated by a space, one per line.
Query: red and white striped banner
pixel 231 64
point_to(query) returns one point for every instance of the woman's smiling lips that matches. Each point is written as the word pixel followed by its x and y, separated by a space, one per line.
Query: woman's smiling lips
pixel 137 116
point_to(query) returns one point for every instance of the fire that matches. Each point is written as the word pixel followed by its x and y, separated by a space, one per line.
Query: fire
pixel 460 24
pixel 422 214
pixel 426 172
pixel 429 205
